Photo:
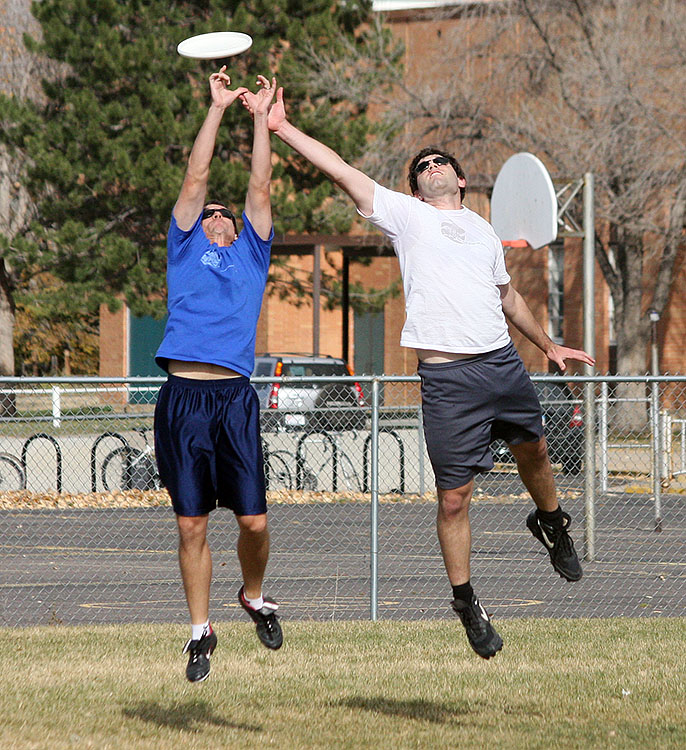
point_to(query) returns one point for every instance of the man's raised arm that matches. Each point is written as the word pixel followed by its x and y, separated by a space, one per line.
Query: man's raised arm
pixel 355 183
pixel 192 196
pixel 258 202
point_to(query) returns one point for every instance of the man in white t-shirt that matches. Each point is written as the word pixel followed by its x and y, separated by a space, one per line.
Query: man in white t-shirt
pixel 474 386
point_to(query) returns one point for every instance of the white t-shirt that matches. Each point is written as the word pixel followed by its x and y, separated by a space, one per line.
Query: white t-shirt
pixel 451 262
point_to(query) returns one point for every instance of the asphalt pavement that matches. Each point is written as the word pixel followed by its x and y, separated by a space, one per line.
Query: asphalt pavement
pixel 78 566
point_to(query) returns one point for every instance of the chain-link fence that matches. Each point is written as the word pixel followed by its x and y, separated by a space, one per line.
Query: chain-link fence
pixel 87 534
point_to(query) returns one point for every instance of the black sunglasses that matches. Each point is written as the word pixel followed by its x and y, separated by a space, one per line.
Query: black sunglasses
pixel 207 212
pixel 439 161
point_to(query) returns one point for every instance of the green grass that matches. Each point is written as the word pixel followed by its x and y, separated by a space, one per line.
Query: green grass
pixel 557 684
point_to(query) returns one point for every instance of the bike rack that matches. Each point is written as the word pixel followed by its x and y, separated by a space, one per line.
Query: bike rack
pixel 94 471
pixel 300 460
pixel 265 462
pixel 58 455
pixel 365 455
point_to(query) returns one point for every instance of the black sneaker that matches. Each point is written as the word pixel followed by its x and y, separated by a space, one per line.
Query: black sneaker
pixel 481 634
pixel 559 544
pixel 267 623
pixel 198 668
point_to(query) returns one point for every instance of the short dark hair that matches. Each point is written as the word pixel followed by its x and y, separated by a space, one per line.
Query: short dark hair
pixel 223 205
pixel 428 151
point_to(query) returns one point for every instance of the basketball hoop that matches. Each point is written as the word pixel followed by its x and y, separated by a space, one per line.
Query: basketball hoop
pixel 524 204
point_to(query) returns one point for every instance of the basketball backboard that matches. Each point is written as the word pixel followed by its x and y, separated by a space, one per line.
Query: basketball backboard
pixel 524 203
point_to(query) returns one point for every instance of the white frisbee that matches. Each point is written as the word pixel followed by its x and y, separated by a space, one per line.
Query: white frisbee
pixel 215 45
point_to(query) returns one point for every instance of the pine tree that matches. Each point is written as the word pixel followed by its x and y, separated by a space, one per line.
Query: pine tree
pixel 108 149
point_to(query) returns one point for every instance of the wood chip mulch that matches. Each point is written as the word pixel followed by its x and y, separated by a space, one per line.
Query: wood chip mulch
pixel 24 499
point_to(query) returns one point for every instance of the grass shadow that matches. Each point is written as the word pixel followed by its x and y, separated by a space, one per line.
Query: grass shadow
pixel 188 716
pixel 422 710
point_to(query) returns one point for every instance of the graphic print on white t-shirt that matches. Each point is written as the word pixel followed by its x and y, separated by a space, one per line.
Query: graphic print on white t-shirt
pixel 453 232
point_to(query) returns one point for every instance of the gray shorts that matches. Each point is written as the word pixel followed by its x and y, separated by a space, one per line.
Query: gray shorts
pixel 467 404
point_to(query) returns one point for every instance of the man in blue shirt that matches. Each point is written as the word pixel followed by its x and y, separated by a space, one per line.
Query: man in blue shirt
pixel 207 435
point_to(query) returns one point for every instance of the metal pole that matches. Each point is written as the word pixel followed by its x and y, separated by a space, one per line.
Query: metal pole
pixel 345 308
pixel 655 431
pixel 316 293
pixel 655 442
pixel 374 520
pixel 602 437
pixel 56 406
pixel 589 347
pixel 420 446
pixel 654 355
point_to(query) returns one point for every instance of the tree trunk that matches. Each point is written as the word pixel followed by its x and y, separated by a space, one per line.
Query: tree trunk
pixel 8 407
pixel 631 410
pixel 633 335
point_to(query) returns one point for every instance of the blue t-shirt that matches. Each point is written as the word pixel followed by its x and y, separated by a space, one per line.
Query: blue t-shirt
pixel 214 296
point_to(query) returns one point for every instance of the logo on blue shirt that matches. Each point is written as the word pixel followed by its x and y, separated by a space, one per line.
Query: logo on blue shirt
pixel 211 258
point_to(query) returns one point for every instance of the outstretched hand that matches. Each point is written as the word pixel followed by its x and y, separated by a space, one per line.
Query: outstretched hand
pixel 222 95
pixel 258 103
pixel 558 354
pixel 277 113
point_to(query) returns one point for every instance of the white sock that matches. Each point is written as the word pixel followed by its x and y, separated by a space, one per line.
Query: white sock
pixel 198 631
pixel 255 603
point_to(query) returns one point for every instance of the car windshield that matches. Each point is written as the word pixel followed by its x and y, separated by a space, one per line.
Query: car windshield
pixel 313 368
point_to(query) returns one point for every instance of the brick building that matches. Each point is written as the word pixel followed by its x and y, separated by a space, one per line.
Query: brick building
pixel 551 279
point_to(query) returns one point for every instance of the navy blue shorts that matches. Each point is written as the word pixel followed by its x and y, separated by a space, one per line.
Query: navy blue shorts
pixel 208 446
pixel 468 403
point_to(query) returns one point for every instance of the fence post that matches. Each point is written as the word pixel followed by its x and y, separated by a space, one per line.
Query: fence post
pixel 589 469
pixel 589 346
pixel 602 437
pixel 374 519
pixel 655 444
pixel 420 446
pixel 56 406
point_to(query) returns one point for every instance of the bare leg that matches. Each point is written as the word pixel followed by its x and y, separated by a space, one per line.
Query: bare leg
pixel 195 562
pixel 455 536
pixel 253 552
pixel 536 472
pixel 454 531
